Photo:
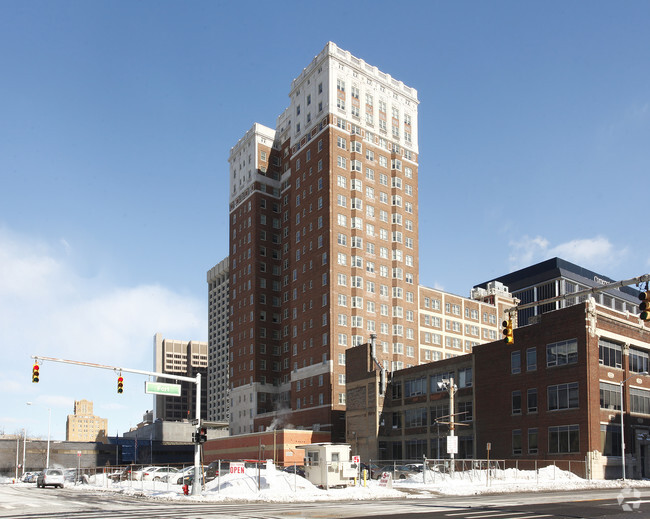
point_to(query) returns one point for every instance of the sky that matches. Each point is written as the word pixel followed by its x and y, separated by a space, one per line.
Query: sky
pixel 117 119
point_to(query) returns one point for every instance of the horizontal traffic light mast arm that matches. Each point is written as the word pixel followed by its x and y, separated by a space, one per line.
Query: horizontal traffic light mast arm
pixel 117 368
pixel 196 486
pixel 626 282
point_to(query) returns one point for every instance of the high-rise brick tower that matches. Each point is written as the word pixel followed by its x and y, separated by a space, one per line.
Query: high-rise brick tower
pixel 323 244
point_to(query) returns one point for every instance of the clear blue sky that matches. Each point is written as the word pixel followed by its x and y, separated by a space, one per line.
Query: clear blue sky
pixel 117 117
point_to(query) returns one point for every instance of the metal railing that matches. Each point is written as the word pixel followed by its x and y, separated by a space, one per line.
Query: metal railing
pixel 427 471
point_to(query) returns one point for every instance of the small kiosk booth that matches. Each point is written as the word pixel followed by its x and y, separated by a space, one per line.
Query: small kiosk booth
pixel 328 464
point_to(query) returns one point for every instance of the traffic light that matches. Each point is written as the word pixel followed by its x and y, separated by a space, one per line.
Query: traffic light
pixel 507 332
pixel 35 373
pixel 120 384
pixel 200 436
pixel 644 306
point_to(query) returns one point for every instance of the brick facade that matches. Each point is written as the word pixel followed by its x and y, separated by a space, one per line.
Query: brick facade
pixel 552 395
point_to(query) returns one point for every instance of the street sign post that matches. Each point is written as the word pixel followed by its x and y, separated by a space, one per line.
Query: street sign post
pixel 196 485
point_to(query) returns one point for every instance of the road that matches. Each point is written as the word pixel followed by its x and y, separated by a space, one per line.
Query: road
pixel 31 503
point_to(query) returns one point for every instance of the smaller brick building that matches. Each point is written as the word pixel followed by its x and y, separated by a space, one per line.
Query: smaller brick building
pixel 555 393
pixel 281 445
pixel 552 395
pixel 410 418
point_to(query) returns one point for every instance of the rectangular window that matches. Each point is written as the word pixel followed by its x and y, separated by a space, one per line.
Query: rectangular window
pixel 531 359
pixel 516 442
pixel 515 362
pixel 416 417
pixel 397 391
pixel 464 411
pixel 610 396
pixel 415 387
pixel 435 379
pixel 564 439
pixel 563 396
pixel 638 360
pixel 532 441
pixel 532 400
pixel 610 440
pixel 639 401
pixel 516 402
pixel 609 353
pixel 562 353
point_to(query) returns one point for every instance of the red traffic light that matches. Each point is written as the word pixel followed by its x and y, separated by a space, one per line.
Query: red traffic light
pixel 120 384
pixel 201 435
pixel 35 373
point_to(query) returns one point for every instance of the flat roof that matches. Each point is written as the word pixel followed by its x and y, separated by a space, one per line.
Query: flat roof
pixel 555 268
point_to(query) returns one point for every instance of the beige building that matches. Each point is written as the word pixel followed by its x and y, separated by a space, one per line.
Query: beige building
pixel 83 425
pixel 452 325
pixel 183 358
pixel 218 350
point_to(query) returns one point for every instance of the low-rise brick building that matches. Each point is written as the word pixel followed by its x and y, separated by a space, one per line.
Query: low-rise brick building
pixel 554 395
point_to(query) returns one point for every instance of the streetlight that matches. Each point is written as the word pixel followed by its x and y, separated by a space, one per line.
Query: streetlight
pixel 49 424
pixel 622 430
pixel 24 448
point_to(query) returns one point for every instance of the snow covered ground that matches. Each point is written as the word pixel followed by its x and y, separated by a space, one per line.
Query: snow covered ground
pixel 271 485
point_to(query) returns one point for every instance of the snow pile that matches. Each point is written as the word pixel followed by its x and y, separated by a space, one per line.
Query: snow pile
pixel 272 485
pixel 473 482
pixel 265 485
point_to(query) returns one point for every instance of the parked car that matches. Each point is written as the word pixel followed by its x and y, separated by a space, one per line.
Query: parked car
pixel 70 475
pixel 188 477
pixel 184 476
pixel 295 469
pixel 126 473
pixel 214 467
pixel 50 477
pixel 137 475
pixel 371 469
pixel 159 473
pixel 398 471
pixel 29 477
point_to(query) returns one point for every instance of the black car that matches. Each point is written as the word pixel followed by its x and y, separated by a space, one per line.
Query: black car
pixel 214 469
pixel 295 469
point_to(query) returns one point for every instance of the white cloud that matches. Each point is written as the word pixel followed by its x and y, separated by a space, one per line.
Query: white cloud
pixel 596 253
pixel 45 304
pixel 47 308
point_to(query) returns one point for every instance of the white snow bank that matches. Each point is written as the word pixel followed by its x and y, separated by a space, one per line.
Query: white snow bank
pixel 271 485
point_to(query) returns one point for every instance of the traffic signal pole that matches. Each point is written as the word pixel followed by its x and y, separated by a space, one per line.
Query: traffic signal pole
pixel 588 291
pixel 196 480
pixel 196 485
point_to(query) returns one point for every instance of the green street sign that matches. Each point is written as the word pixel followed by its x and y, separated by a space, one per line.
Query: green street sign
pixel 160 388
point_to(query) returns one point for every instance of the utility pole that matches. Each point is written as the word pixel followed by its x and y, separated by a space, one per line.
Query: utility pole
pixel 452 442
pixel 452 429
